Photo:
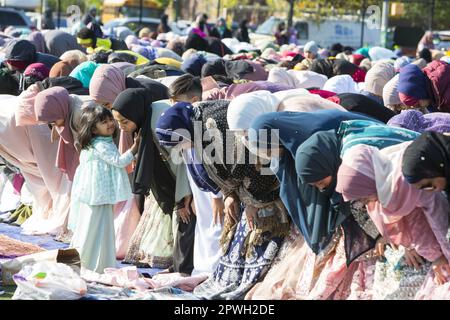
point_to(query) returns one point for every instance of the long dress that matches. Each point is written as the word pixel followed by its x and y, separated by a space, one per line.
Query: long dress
pixel 153 241
pixel 247 254
pixel 240 267
pixel 31 151
pixel 300 274
pixel 100 182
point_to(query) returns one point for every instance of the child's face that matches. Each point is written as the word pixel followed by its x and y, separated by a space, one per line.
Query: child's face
pixel 185 98
pixel 309 55
pixel 105 128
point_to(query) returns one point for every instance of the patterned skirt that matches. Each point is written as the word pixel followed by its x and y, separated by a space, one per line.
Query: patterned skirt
pixel 152 242
pixel 240 267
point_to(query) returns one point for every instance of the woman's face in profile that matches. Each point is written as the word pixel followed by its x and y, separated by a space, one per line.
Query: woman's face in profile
pixel 432 184
pixel 124 123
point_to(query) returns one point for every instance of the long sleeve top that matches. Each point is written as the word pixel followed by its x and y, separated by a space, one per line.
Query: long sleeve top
pixel 101 177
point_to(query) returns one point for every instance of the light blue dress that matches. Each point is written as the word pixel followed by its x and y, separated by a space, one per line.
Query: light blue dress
pixel 100 182
pixel 101 177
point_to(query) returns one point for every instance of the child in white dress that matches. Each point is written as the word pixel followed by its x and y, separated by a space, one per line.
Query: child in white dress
pixel 100 182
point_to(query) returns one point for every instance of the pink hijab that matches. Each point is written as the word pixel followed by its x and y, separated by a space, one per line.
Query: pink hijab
pixel 403 214
pixel 106 83
pixel 25 115
pixel 51 105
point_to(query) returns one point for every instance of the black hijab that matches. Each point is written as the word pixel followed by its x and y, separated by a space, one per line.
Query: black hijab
pixel 73 85
pixel 323 66
pixel 212 68
pixel 317 158
pixel 362 104
pixel 157 90
pixel 243 31
pixel 194 41
pixel 427 157
pixel 151 172
pixel 9 84
pixel 238 69
pixel 217 46
pixel 121 57
pixel 341 66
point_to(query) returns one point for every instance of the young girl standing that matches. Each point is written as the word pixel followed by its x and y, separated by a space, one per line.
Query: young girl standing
pixel 100 182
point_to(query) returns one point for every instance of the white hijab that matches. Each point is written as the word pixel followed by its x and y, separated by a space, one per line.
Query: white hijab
pixel 297 79
pixel 341 84
pixel 390 92
pixel 245 108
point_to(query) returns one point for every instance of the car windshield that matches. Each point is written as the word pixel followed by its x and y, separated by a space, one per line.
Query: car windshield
pixel 268 27
pixel 10 18
pixel 112 24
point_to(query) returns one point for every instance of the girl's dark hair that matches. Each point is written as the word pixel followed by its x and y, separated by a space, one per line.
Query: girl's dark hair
pixel 186 84
pixel 88 119
pixel 426 54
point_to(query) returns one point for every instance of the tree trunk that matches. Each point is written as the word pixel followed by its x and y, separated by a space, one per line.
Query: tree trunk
pixel 291 13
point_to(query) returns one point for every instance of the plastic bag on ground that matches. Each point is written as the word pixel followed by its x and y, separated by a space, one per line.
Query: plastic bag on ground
pixel 48 281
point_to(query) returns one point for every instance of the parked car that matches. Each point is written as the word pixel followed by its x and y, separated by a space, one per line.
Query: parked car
pixel 132 23
pixel 442 40
pixel 13 17
pixel 346 30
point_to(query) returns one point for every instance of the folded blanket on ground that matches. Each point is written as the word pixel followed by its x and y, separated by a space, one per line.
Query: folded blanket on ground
pixel 10 248
pixel 130 278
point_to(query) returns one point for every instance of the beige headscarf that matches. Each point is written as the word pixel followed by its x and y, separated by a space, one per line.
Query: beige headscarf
pixel 366 64
pixel 76 55
pixel 145 32
pixel 188 53
pixel 307 103
pixel 437 55
pixel 378 76
pixel 344 56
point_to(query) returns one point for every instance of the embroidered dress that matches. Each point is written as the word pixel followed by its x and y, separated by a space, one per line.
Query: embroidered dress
pixel 241 266
pixel 248 254
pixel 395 280
pixel 100 182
